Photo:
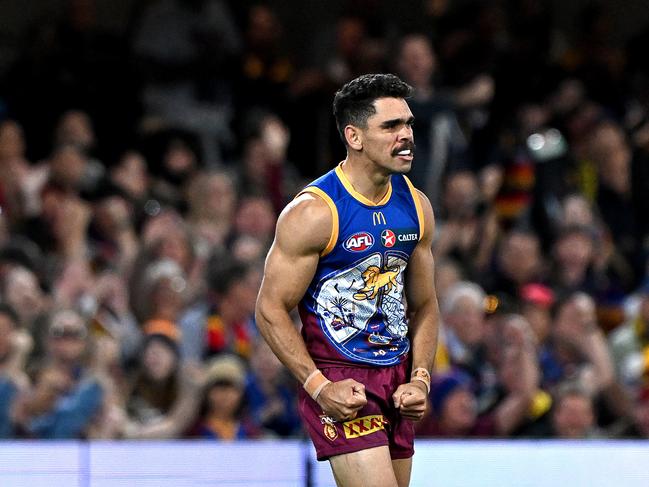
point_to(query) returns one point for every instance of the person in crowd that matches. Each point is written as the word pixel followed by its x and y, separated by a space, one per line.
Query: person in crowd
pixel 468 229
pixel 15 345
pixel 574 415
pixel 164 397
pixel 71 385
pixel 455 410
pixel 212 200
pixel 270 394
pixel 464 334
pixel 223 415
pixel 629 343
pixel 222 322
pixel 518 261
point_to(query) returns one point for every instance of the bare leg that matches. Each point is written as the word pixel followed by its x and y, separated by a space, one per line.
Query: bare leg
pixel 365 468
pixel 402 469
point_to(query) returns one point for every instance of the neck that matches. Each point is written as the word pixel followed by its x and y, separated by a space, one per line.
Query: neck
pixel 366 178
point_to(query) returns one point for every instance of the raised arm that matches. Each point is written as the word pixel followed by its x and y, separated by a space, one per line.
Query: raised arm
pixel 423 315
pixel 303 231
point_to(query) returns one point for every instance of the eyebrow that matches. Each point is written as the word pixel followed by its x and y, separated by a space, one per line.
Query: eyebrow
pixel 397 121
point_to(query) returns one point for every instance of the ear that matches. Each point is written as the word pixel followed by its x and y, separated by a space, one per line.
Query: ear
pixel 354 137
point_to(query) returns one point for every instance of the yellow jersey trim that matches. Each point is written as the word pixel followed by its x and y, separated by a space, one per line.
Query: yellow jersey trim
pixel 333 238
pixel 420 211
pixel 355 194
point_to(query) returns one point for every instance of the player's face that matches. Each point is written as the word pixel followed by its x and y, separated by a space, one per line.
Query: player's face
pixel 388 140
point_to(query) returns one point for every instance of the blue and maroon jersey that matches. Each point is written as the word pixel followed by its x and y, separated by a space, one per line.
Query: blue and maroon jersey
pixel 354 309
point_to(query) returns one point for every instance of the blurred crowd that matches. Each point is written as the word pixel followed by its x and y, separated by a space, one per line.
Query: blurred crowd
pixel 141 176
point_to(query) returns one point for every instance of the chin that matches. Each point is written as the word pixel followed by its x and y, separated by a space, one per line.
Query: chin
pixel 402 167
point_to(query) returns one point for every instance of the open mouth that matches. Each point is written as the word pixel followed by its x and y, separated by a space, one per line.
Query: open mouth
pixel 406 151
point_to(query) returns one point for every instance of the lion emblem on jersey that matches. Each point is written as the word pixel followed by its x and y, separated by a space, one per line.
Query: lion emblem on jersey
pixel 377 281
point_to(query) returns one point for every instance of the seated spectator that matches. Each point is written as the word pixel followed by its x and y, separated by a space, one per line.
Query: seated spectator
pixel 270 392
pixel 573 416
pixel 21 289
pixel 223 415
pixel 211 198
pixel 454 410
pixel 223 321
pixel 574 261
pixel 578 349
pixel 464 336
pixel 629 343
pixel 164 398
pixel 71 385
pixel 15 345
pixel 519 261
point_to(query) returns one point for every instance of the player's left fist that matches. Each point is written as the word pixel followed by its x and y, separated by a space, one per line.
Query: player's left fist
pixel 410 399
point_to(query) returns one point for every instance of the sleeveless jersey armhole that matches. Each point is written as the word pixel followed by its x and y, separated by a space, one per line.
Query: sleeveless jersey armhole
pixel 417 201
pixel 333 238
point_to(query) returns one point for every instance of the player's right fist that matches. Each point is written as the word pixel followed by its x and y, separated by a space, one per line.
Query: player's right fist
pixel 343 399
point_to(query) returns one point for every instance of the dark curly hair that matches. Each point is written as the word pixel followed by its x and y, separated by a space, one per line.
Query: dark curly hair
pixel 354 102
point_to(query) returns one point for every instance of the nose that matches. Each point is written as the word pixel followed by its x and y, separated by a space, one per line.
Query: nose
pixel 406 133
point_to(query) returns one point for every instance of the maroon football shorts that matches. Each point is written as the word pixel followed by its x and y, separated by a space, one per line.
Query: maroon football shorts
pixel 377 424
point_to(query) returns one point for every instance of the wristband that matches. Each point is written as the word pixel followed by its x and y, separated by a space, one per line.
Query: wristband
pixel 422 375
pixel 314 384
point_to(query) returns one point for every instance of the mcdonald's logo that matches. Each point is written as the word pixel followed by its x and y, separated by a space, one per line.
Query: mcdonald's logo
pixel 378 218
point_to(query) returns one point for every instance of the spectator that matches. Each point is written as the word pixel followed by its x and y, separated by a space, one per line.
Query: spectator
pixel 468 230
pixel 185 52
pixel 212 198
pixel 271 397
pixel 163 401
pixel 519 261
pixel 15 345
pixel 455 410
pixel 629 343
pixel 464 335
pixel 223 417
pixel 223 321
pixel 22 291
pixel 441 144
pixel 574 262
pixel 573 416
pixel 71 385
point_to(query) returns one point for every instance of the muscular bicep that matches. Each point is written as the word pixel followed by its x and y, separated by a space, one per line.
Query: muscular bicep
pixel 303 231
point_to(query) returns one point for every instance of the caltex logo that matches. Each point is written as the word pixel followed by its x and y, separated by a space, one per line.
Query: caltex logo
pixel 388 238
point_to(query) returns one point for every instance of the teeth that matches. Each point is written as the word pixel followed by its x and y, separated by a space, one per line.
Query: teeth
pixel 405 152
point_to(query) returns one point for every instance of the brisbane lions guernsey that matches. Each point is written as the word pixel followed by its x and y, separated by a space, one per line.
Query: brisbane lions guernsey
pixel 354 309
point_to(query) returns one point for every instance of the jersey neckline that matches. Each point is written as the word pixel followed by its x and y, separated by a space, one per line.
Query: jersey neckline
pixel 358 196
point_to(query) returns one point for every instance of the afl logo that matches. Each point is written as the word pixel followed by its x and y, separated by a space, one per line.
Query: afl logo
pixel 388 238
pixel 359 242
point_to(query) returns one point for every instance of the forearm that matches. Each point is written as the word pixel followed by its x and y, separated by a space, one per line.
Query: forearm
pixel 594 347
pixel 277 328
pixel 514 408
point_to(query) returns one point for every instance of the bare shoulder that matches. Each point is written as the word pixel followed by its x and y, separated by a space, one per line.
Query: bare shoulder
pixel 305 224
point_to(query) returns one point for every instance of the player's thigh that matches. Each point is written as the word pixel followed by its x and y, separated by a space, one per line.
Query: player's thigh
pixel 402 468
pixel 365 468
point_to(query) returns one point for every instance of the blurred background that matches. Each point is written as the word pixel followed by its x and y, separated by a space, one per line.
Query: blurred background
pixel 146 148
